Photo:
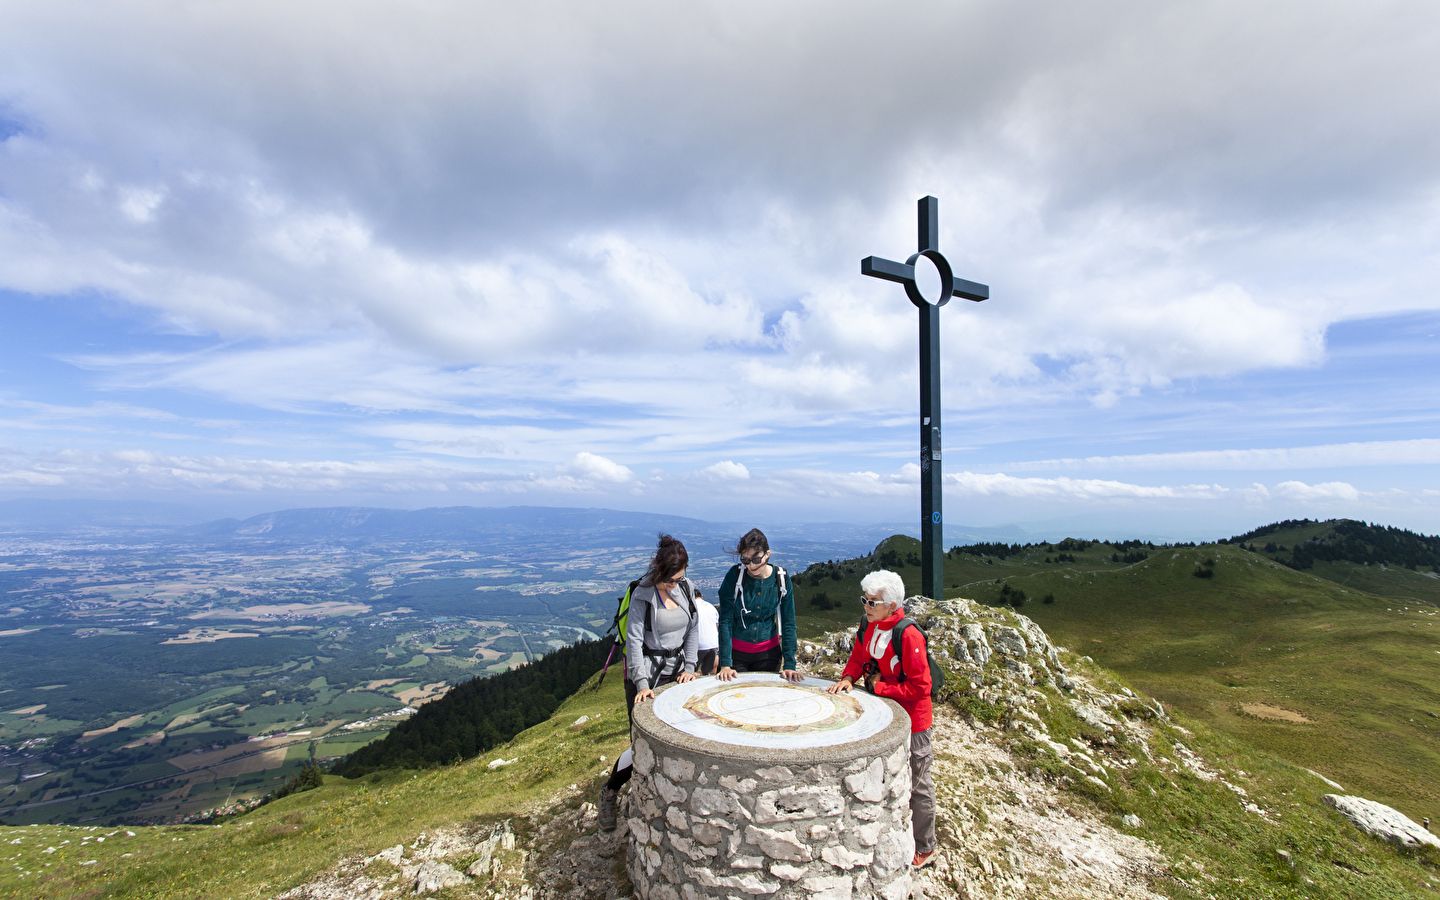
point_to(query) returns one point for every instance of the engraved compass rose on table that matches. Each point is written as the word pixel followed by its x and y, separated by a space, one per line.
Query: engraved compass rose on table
pixel 777 708
pixel 759 709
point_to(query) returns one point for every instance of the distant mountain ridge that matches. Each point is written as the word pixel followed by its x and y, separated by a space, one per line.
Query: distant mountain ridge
pixel 51 516
pixel 578 528
pixel 447 521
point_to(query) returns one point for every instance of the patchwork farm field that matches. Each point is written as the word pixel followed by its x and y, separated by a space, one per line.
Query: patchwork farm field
pixel 160 686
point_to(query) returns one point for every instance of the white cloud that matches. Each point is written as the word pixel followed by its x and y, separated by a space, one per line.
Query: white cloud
pixel 972 484
pixel 1316 493
pixel 726 470
pixel 1420 451
pixel 840 485
pixel 471 203
pixel 132 470
pixel 591 468
pixel 140 203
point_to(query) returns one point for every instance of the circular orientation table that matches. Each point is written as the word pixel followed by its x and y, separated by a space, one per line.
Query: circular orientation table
pixel 766 787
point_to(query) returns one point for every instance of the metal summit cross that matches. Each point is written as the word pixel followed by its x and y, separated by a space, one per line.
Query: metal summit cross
pixel 932 554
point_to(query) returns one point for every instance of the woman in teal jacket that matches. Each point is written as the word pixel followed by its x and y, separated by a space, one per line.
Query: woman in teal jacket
pixel 757 614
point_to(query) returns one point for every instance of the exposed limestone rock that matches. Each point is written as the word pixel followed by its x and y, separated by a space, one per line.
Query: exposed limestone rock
pixel 1384 822
pixel 436 876
pixel 393 855
pixel 975 649
pixel 1008 641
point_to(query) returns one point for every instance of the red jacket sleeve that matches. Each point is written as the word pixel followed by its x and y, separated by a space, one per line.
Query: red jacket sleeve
pixel 855 665
pixel 916 666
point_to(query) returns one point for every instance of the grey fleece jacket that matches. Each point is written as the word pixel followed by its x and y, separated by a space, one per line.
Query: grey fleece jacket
pixel 644 670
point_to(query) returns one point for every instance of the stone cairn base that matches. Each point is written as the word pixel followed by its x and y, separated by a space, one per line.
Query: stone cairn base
pixel 711 826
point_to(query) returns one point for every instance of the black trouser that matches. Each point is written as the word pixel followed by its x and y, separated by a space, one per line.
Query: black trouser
pixel 709 661
pixel 619 776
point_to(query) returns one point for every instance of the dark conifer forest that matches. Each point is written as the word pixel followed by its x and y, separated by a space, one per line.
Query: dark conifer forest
pixel 481 713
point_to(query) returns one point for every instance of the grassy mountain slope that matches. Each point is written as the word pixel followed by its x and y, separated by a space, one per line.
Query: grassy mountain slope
pixel 1363 669
pixel 839 581
pixel 291 840
pixel 1390 562
pixel 1215 846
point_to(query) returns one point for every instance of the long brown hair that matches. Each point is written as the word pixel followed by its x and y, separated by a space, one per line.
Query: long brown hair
pixel 670 559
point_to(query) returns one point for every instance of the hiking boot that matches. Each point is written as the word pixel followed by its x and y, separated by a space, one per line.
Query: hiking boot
pixel 922 860
pixel 608 798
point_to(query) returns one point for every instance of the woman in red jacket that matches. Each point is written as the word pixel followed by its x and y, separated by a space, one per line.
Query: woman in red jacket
pixel 880 663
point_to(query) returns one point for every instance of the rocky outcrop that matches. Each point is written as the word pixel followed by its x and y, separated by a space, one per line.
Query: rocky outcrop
pixel 1382 821
pixel 492 862
pixel 436 876
pixel 1000 664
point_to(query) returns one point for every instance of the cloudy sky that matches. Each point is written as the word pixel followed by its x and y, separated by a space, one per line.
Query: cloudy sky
pixel 265 254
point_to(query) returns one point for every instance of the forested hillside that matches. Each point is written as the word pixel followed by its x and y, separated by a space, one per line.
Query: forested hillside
pixel 1341 540
pixel 481 713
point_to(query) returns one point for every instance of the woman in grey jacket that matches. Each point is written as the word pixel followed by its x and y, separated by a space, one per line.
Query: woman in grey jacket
pixel 662 639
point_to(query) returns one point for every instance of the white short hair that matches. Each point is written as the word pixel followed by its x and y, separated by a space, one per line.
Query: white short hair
pixel 890 586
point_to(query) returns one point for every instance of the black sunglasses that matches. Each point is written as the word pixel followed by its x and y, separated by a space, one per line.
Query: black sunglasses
pixel 753 560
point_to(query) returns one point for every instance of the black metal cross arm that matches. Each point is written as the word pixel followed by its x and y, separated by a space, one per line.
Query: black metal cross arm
pixel 901 273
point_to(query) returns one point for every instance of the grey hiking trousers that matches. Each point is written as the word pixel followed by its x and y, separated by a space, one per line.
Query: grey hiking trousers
pixel 922 791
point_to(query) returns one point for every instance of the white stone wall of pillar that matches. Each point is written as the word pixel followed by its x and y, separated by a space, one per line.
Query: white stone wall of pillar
pixel 803 825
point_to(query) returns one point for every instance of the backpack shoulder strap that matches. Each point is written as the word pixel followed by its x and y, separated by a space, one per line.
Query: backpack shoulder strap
pixel 689 598
pixel 896 640
pixel 779 598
